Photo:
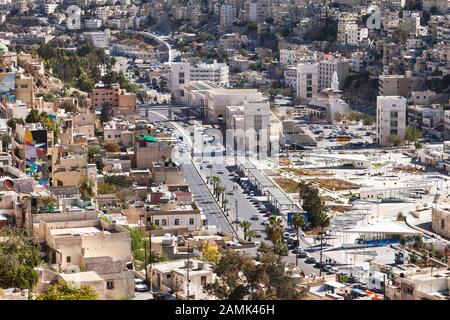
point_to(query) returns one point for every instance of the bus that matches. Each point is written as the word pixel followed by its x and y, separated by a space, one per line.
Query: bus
pixel 343 138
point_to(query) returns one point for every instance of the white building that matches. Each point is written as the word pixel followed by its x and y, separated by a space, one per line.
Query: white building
pixel 251 128
pixel 99 39
pixel 251 11
pixel 391 118
pixel 330 65
pixel 227 16
pixel 92 23
pixel 49 8
pixel 307 80
pixel 182 73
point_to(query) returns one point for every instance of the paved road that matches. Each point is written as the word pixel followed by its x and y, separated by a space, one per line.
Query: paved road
pixel 206 201
pixel 198 188
pixel 162 39
pixel 246 209
pixel 204 198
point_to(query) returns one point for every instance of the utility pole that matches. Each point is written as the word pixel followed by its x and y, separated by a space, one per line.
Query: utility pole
pixel 237 213
pixel 150 253
pixel 188 266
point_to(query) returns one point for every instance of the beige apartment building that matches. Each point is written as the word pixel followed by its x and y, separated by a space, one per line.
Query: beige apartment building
pixel 68 170
pixel 122 103
pixel 148 150
pixel 167 172
pixel 173 214
pixel 25 89
pixel 419 284
pixel 394 85
pixel 440 220
pixel 90 245
pixel 173 276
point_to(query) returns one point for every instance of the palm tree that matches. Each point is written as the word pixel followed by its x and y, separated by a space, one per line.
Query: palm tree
pixel 215 181
pixel 298 222
pixel 250 234
pixel 246 225
pixel 323 222
pixel 275 230
pixel 224 204
pixel 220 191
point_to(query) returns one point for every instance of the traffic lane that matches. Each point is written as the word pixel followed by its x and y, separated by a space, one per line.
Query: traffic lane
pixel 246 209
pixel 307 268
pixel 204 198
pixel 198 187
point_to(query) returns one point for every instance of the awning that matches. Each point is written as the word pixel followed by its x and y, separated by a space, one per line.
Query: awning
pixel 147 138
pixel 384 228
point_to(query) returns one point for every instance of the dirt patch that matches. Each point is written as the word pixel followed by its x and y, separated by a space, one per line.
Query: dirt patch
pixel 336 184
pixel 288 185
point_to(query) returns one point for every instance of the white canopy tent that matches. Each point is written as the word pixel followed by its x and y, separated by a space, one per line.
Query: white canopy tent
pixel 390 228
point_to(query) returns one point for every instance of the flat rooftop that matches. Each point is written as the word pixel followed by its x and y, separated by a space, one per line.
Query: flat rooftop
pixel 84 231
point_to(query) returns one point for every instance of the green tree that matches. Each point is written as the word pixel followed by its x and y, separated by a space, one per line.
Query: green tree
pixel 401 216
pixel 412 134
pixel 111 146
pixel 33 117
pixel 92 151
pixel 250 235
pixel 394 140
pixel 106 188
pixel 418 145
pixel 5 138
pixel 118 180
pixel 299 223
pixel 338 117
pixel 67 291
pixel 368 120
pixel 86 189
pixel 246 225
pixel 13 122
pixel 312 203
pixel 19 256
pixel 324 221
pixel 275 230
pixel 49 97
pixel 355 116
pixel 121 79
pixel 241 278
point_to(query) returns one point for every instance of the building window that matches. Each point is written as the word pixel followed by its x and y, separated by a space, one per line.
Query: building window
pixel 164 222
pixel 68 259
pixel 177 222
pixel 110 284
pixel 442 224
pixel 157 223
pixel 191 221
pixel 203 280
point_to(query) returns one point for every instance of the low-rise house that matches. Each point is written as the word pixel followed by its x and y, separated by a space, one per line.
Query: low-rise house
pixel 90 245
pixel 184 279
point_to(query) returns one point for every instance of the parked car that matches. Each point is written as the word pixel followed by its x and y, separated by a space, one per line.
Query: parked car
pixel 255 217
pixel 163 296
pixel 302 254
pixel 310 260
